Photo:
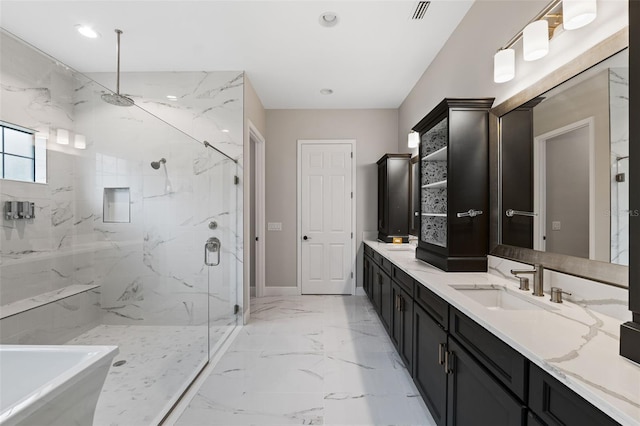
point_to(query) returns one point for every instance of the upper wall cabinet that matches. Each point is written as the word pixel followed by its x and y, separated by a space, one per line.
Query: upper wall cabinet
pixel 454 198
pixel 393 197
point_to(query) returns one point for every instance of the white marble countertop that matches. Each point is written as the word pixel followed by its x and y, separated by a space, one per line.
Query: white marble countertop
pixel 577 346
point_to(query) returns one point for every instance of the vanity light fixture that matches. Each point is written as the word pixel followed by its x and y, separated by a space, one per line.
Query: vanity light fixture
pixel 535 40
pixel 62 137
pixel 87 31
pixel 578 13
pixel 80 142
pixel 536 34
pixel 413 140
pixel 504 65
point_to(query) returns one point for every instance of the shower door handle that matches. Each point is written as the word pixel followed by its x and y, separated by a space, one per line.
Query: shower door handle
pixel 212 245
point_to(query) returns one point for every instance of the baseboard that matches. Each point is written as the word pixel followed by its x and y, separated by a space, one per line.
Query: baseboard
pixel 281 291
pixel 360 291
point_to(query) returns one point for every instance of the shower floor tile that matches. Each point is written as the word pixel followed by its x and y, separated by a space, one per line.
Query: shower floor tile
pixel 160 362
pixel 309 360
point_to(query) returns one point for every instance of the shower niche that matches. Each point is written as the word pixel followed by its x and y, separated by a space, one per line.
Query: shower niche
pixel 116 205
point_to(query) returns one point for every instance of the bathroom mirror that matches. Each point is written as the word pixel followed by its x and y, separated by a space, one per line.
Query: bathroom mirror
pixel 560 167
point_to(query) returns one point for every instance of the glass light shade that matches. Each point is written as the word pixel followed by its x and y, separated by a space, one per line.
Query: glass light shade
pixel 504 65
pixel 535 40
pixel 578 13
pixel 80 142
pixel 413 140
pixel 62 137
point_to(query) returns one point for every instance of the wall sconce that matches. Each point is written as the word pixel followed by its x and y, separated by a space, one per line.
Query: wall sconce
pixel 536 34
pixel 62 137
pixel 578 13
pixel 80 142
pixel 413 140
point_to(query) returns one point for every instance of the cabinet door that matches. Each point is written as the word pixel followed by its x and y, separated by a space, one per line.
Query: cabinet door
pixel 402 333
pixel 475 397
pixel 383 210
pixel 366 275
pixel 376 284
pixel 556 404
pixel 429 344
pixel 385 300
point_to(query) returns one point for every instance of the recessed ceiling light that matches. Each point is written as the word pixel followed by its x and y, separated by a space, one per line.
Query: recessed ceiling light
pixel 329 19
pixel 172 97
pixel 326 91
pixel 87 31
pixel 225 130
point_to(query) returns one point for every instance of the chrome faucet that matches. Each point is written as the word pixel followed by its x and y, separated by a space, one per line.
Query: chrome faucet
pixel 538 274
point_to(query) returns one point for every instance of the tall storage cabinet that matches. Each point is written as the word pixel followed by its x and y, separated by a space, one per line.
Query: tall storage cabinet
pixel 454 198
pixel 393 197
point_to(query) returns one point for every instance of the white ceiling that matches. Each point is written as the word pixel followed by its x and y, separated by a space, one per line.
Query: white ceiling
pixel 371 59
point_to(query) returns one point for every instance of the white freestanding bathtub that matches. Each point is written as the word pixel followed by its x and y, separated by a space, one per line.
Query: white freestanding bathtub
pixel 52 385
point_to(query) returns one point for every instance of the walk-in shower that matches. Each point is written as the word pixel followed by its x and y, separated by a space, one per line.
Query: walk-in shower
pixel 72 275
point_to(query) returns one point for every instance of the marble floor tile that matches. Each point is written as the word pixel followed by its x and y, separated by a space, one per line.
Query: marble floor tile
pixel 309 360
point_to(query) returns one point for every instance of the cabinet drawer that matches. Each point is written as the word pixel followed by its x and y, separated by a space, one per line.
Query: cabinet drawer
pixel 403 279
pixel 377 258
pixel 505 363
pixel 556 404
pixel 433 304
pixel 368 250
pixel 386 265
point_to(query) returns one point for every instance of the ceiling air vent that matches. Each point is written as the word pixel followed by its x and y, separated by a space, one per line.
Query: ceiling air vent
pixel 421 9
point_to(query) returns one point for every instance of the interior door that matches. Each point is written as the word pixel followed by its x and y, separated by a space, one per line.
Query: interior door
pixel 325 217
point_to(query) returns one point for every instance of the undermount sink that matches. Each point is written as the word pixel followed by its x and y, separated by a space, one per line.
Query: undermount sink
pixel 497 297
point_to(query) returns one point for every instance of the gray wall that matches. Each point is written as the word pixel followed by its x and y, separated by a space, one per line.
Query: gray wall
pixel 374 130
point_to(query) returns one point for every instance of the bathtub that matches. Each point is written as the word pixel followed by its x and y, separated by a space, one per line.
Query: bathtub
pixel 52 385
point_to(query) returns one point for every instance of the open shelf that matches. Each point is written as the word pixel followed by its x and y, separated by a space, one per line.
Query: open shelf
pixel 435 214
pixel 439 155
pixel 441 184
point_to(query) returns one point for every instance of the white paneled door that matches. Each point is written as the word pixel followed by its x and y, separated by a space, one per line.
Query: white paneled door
pixel 325 217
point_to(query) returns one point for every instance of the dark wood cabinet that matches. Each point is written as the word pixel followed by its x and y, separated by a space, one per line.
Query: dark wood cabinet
pixel 475 397
pixel 429 348
pixel 465 374
pixel 556 404
pixel 454 198
pixel 367 276
pixel 393 197
pixel 402 323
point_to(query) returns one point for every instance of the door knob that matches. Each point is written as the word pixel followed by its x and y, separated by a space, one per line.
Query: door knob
pixel 306 238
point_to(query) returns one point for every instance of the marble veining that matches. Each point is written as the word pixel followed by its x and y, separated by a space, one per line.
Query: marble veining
pixel 570 341
pixel 309 360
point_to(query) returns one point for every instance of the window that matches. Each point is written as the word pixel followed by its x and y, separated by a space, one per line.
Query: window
pixel 24 154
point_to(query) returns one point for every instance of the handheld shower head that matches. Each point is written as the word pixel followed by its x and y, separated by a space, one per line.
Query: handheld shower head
pixel 156 164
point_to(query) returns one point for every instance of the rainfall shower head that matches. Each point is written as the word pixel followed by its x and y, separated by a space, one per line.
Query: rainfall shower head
pixel 156 164
pixel 116 98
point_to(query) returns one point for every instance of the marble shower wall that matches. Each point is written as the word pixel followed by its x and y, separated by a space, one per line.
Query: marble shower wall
pixel 150 268
pixel 619 128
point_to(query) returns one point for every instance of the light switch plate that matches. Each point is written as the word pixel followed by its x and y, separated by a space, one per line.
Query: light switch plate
pixel 274 226
pixel 555 225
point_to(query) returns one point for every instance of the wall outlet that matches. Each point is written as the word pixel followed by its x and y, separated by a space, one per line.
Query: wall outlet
pixel 555 225
pixel 274 226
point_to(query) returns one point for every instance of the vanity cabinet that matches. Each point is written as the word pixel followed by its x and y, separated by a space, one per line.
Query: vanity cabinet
pixel 367 276
pixel 465 374
pixel 393 197
pixel 454 198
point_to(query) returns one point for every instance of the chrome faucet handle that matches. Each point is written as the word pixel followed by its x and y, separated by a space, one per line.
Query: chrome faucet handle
pixel 556 294
pixel 524 283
